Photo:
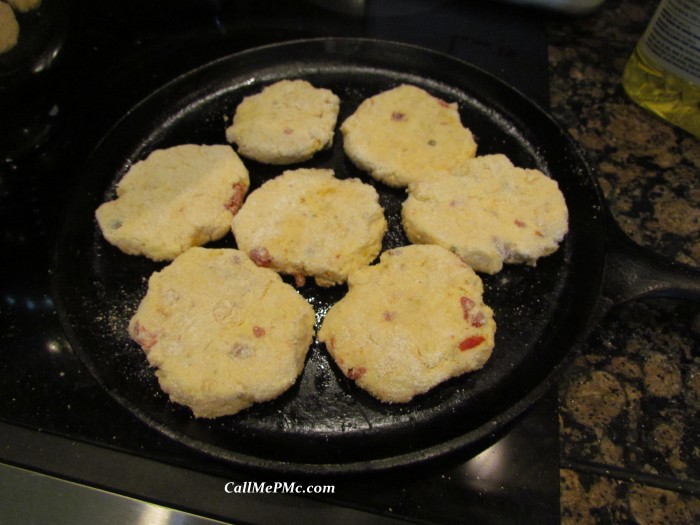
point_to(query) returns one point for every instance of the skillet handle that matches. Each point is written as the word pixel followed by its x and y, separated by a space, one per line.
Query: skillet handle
pixel 634 272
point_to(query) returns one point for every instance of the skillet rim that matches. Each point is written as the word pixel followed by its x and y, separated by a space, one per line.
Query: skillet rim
pixel 442 449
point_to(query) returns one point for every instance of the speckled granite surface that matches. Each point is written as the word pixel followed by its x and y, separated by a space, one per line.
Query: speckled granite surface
pixel 629 426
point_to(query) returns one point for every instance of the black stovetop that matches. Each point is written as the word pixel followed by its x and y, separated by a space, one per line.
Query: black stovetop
pixel 80 67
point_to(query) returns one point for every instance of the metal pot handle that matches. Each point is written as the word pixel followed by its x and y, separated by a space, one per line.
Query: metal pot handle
pixel 634 272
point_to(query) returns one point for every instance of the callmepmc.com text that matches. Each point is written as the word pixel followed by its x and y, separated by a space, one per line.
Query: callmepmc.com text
pixel 276 487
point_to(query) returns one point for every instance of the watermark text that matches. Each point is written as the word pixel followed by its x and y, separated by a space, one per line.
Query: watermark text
pixel 276 487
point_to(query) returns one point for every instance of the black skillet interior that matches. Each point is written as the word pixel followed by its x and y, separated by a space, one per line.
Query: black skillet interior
pixel 325 423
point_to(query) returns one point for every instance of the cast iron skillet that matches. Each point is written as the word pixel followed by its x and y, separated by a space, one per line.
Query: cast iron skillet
pixel 325 424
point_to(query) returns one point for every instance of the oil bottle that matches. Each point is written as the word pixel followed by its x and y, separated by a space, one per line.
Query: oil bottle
pixel 663 73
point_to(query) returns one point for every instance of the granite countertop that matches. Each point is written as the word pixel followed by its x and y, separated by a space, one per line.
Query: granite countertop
pixel 628 416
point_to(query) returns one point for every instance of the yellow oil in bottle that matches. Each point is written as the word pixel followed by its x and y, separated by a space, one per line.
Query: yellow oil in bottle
pixel 663 89
pixel 663 93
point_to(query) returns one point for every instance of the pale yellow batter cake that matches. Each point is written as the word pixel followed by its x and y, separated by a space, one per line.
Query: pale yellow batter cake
pixel 288 122
pixel 221 332
pixel 409 323
pixel 307 222
pixel 9 28
pixel 24 6
pixel 490 214
pixel 405 134
pixel 176 198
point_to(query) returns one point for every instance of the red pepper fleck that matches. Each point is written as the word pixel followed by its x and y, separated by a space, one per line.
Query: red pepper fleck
pixel 467 305
pixel 299 280
pixel 520 223
pixel 398 116
pixel 261 257
pixel 288 131
pixel 443 103
pixel 236 201
pixel 331 344
pixel 388 316
pixel 471 342
pixel 356 373
pixel 258 331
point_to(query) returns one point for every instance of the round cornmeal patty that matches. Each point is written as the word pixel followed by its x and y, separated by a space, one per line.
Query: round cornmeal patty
pixel 176 198
pixel 24 6
pixel 490 214
pixel 409 323
pixel 9 28
pixel 287 122
pixel 307 222
pixel 222 332
pixel 405 134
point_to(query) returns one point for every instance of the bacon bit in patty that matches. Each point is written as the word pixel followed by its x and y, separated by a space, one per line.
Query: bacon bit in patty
pixel 236 201
pixel 520 223
pixel 470 342
pixel 503 249
pixel 398 116
pixel 144 337
pixel 388 316
pixel 261 257
pixel 258 331
pixel 467 305
pixel 356 373
pixel 299 280
pixel 478 319
pixel 240 351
